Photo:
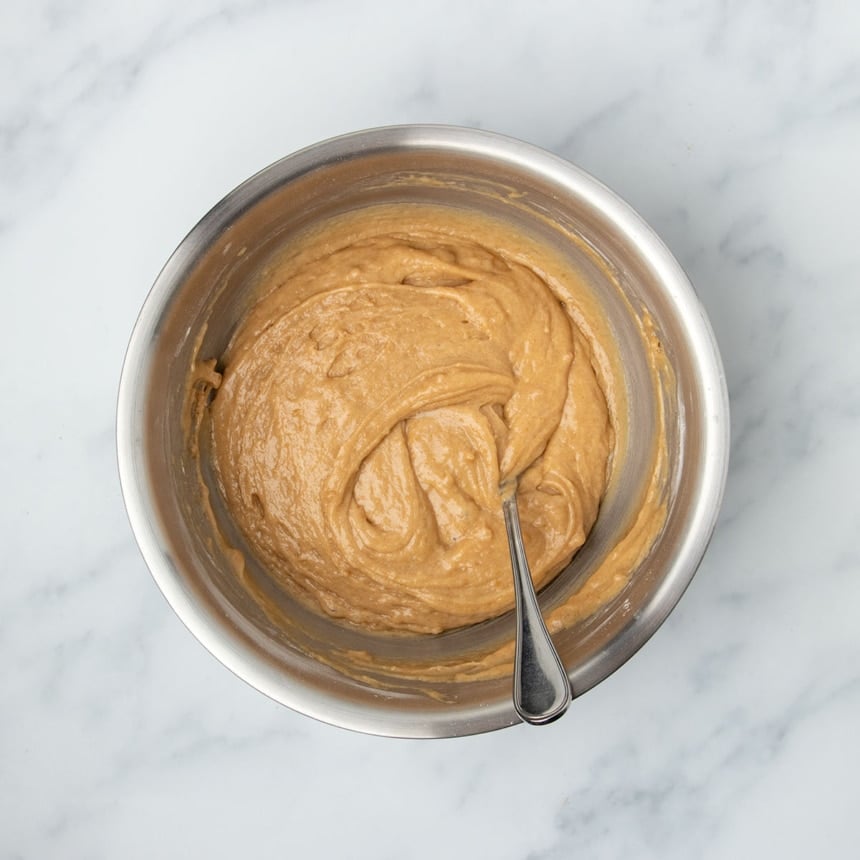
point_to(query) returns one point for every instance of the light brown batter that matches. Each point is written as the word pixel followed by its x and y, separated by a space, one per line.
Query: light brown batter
pixel 402 364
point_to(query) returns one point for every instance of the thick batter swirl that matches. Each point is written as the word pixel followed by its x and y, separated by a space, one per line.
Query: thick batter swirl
pixel 375 399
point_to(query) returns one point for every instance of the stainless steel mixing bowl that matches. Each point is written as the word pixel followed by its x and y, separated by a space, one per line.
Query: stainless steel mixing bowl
pixel 202 293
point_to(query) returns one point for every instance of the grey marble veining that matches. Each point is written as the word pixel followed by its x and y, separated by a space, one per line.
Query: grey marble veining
pixel 734 128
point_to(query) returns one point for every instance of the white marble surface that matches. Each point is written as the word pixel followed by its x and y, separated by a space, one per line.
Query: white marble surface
pixel 734 127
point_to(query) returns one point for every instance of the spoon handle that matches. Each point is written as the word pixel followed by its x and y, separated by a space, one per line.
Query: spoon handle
pixel 541 686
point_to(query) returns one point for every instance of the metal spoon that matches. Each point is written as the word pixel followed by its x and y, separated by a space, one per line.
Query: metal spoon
pixel 541 686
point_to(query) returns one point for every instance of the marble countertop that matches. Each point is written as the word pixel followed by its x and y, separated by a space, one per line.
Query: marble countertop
pixel 734 128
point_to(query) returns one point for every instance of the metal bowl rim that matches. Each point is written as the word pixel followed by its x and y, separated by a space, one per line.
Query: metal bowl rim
pixel 223 641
